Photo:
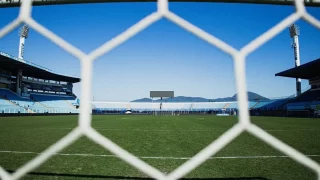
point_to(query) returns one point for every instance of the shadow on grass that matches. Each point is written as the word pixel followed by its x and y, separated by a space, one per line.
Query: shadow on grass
pixel 77 176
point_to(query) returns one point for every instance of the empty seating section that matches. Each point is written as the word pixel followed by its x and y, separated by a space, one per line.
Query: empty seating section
pixel 296 106
pixel 123 106
pixel 176 106
pixel 234 105
pixel 54 103
pixel 7 107
pixel 10 102
pixel 110 107
pixel 309 96
pixel 275 104
pixel 262 104
pixel 12 97
pixel 208 106
pixel 144 106
pixel 24 103
pixel 307 100
pixel 251 104
pixel 303 105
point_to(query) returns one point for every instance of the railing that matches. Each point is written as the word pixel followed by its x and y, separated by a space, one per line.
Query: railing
pixel 25 110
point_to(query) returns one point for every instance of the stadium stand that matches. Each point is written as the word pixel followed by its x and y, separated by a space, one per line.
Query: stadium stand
pixel 308 102
pixel 28 88
pixel 110 107
pixel 275 104
pixel 273 107
pixel 166 108
pixel 58 103
pixel 261 105
pixel 209 106
pixel 308 96
pixel 176 107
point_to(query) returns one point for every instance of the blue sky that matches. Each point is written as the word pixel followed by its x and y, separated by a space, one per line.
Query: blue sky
pixel 164 56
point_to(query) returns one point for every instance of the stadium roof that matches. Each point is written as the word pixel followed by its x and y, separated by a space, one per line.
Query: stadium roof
pixel 309 70
pixel 13 64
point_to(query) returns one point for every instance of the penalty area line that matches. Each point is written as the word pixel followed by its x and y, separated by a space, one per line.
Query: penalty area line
pixel 152 157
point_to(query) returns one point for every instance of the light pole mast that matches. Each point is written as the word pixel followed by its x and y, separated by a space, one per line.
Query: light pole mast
pixel 24 31
pixel 294 33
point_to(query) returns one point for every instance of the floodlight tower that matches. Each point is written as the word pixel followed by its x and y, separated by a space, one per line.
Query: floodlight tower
pixel 24 31
pixel 294 33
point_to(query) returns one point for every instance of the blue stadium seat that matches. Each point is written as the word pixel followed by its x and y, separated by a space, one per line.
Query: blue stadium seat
pixel 308 96
pixel 10 102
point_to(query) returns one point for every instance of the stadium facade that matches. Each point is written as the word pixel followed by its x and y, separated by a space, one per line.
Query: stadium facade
pixel 29 88
pixel 308 103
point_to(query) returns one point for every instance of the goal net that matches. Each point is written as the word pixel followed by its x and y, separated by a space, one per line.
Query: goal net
pixel 84 128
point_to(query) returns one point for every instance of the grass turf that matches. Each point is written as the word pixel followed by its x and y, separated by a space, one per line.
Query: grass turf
pixel 158 136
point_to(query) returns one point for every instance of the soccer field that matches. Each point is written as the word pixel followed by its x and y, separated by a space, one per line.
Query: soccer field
pixel 162 141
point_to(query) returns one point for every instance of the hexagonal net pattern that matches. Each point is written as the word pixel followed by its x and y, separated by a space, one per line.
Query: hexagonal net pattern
pixel 84 127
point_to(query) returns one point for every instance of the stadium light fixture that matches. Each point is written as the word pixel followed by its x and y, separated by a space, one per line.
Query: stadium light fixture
pixel 294 33
pixel 24 32
pixel 294 30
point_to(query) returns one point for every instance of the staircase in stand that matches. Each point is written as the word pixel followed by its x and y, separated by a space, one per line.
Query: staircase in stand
pixel 226 106
pixel 35 101
pixel 69 103
pixel 254 105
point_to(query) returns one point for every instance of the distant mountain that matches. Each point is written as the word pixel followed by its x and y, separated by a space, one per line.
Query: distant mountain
pixel 175 99
pixel 142 100
pixel 251 97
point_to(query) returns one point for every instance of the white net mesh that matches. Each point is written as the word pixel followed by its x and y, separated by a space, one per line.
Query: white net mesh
pixel 84 128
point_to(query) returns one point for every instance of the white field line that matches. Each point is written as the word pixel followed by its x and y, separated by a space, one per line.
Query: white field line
pixel 169 130
pixel 154 157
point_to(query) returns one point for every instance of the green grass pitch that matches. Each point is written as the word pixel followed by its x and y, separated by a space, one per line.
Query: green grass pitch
pixel 163 142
